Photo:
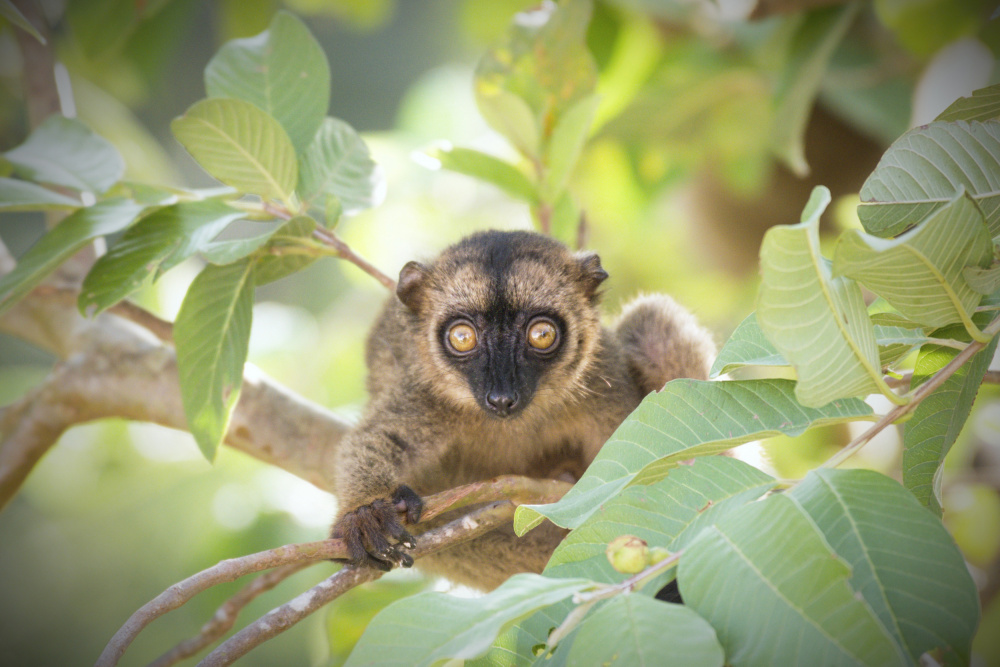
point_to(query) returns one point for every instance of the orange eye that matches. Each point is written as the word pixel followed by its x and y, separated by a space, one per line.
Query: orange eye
pixel 542 335
pixel 462 338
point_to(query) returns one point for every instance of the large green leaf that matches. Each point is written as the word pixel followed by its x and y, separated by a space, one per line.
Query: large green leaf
pixel 687 418
pixel 241 146
pixel 211 334
pixel 806 62
pixel 938 420
pixel 428 627
pixel 487 168
pixel 63 151
pixel 566 143
pixel 902 559
pixel 926 168
pixel 156 244
pixel 638 631
pixel 748 346
pixel 18 195
pixel 983 104
pixel 62 241
pixel 668 513
pixel 776 594
pixel 283 70
pixel 819 323
pixel 921 272
pixel 338 165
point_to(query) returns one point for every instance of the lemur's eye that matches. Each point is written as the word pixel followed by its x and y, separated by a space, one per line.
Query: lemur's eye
pixel 462 338
pixel 543 335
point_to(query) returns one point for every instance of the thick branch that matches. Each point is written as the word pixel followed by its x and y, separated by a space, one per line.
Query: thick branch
pixel 113 368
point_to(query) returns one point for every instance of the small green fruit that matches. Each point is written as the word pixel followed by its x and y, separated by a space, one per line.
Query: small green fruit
pixel 628 554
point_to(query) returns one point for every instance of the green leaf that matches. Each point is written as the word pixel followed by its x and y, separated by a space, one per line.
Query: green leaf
pixel 240 145
pixel 62 242
pixel 983 104
pixel 747 346
pixel 526 84
pixel 938 420
pixel 667 513
pixel 566 144
pixel 276 267
pixel 338 165
pixel 14 16
pixel 984 281
pixel 18 195
pixel 232 250
pixel 283 70
pixel 921 272
pixel 452 627
pixel 926 168
pixel 776 594
pixel 212 333
pixel 65 152
pixel 807 61
pixel 687 418
pixel 102 27
pixel 148 249
pixel 487 168
pixel 912 576
pixel 637 630
pixel 816 321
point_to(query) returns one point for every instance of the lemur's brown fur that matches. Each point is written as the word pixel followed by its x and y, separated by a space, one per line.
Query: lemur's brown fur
pixel 439 417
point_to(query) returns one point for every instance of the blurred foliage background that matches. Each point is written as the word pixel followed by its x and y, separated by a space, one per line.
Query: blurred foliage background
pixel 706 135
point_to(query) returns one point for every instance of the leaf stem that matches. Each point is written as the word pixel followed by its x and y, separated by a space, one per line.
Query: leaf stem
pixel 916 397
pixel 343 251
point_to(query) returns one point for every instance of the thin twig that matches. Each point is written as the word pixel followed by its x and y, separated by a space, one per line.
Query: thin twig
pixel 916 398
pixel 225 616
pixel 345 252
pixel 281 618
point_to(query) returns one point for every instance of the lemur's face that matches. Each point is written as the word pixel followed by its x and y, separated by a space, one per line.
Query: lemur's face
pixel 510 320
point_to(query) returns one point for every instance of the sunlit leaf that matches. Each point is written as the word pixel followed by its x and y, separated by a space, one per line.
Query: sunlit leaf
pixel 283 70
pixel 525 85
pixel 902 559
pixel 453 627
pixel 232 250
pixel 240 145
pixel 776 594
pixel 668 513
pixel 63 151
pixel 921 272
pixel 938 420
pixel 487 168
pixel 926 168
pixel 819 323
pixel 16 195
pixel 212 334
pixel 984 281
pixel 148 249
pixel 983 104
pixel 687 418
pixel 566 144
pixel 62 241
pixel 338 165
pixel 808 58
pixel 637 630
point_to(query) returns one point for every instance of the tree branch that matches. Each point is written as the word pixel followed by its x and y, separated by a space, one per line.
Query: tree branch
pixel 501 494
pixel 278 620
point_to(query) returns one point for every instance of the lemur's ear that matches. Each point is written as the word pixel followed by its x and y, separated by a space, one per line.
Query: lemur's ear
pixel 592 274
pixel 410 287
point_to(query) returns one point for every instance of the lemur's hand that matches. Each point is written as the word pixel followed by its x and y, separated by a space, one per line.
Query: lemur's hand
pixel 368 529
